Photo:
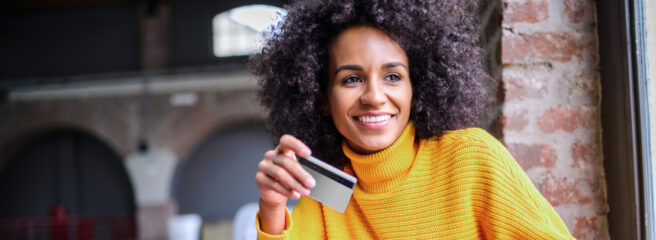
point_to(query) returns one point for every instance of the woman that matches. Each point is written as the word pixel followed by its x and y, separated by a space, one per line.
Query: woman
pixel 385 91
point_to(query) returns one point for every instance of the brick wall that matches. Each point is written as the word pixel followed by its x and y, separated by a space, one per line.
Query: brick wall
pixel 550 117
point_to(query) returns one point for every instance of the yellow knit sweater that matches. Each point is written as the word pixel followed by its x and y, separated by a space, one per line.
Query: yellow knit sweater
pixel 464 185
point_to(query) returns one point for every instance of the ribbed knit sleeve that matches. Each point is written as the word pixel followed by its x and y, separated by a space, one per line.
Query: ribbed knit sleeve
pixel 265 236
pixel 309 222
pixel 504 200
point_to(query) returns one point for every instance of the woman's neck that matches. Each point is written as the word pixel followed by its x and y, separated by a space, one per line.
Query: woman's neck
pixel 383 170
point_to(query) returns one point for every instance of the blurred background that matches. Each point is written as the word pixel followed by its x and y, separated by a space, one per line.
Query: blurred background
pixel 129 119
pixel 137 119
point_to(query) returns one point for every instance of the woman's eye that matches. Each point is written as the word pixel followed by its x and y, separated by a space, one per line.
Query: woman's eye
pixel 351 79
pixel 393 77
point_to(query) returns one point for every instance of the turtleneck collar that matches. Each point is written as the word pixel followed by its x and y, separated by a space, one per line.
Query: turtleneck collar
pixel 382 171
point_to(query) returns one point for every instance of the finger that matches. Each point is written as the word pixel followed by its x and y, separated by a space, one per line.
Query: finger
pixel 294 168
pixel 288 144
pixel 267 182
pixel 279 159
pixel 270 154
pixel 284 177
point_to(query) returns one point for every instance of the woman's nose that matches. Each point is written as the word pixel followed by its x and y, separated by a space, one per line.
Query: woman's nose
pixel 373 94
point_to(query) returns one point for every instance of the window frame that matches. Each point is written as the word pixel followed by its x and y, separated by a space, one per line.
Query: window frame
pixel 191 49
pixel 624 119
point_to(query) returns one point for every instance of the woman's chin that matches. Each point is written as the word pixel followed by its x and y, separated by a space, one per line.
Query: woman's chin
pixel 370 146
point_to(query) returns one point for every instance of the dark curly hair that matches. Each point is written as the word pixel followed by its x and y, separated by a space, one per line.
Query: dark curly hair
pixel 440 39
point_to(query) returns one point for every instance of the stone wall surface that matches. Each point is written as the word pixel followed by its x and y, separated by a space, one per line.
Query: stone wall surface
pixel 550 117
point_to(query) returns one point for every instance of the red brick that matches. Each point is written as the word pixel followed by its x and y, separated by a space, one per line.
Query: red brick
pixel 535 155
pixel 541 47
pixel 565 119
pixel 586 227
pixel 528 156
pixel 559 119
pixel 514 121
pixel 525 12
pixel 547 156
pixel 512 90
pixel 518 89
pixel 582 155
pixel 563 191
pixel 579 10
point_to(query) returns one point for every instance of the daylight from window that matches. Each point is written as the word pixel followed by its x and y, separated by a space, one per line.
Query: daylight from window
pixel 649 26
pixel 240 31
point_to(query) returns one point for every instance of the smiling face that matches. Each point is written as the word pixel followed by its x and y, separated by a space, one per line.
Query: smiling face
pixel 369 93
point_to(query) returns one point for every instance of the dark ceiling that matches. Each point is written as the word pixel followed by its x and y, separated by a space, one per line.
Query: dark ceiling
pixel 46 41
pixel 36 4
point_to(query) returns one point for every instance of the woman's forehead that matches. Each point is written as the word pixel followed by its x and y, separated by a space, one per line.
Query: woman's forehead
pixel 366 43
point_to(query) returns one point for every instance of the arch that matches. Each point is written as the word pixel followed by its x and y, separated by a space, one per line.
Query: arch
pixel 218 176
pixel 66 166
pixel 17 139
pixel 207 131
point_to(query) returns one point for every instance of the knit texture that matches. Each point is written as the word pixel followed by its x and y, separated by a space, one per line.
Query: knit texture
pixel 462 185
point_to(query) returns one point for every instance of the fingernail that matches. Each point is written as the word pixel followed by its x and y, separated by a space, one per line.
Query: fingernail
pixel 296 195
pixel 307 152
pixel 305 192
pixel 310 182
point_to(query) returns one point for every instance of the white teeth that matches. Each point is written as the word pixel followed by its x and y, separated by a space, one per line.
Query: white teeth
pixel 374 119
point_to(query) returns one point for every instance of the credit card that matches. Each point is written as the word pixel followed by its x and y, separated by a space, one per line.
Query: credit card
pixel 333 187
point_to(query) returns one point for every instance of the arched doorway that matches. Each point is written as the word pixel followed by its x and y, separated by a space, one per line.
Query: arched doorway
pixel 69 174
pixel 219 176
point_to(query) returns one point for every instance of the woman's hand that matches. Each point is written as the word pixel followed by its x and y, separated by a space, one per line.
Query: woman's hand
pixel 279 177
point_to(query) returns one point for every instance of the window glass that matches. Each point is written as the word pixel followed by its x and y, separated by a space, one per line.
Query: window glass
pixel 649 51
pixel 240 31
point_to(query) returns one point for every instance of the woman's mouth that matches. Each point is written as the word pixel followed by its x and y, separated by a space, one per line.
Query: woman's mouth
pixel 374 121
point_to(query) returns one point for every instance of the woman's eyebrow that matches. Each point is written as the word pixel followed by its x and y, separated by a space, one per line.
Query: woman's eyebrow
pixel 394 64
pixel 359 68
pixel 348 67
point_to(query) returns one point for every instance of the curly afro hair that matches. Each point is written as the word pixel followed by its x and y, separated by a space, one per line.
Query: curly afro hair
pixel 440 38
